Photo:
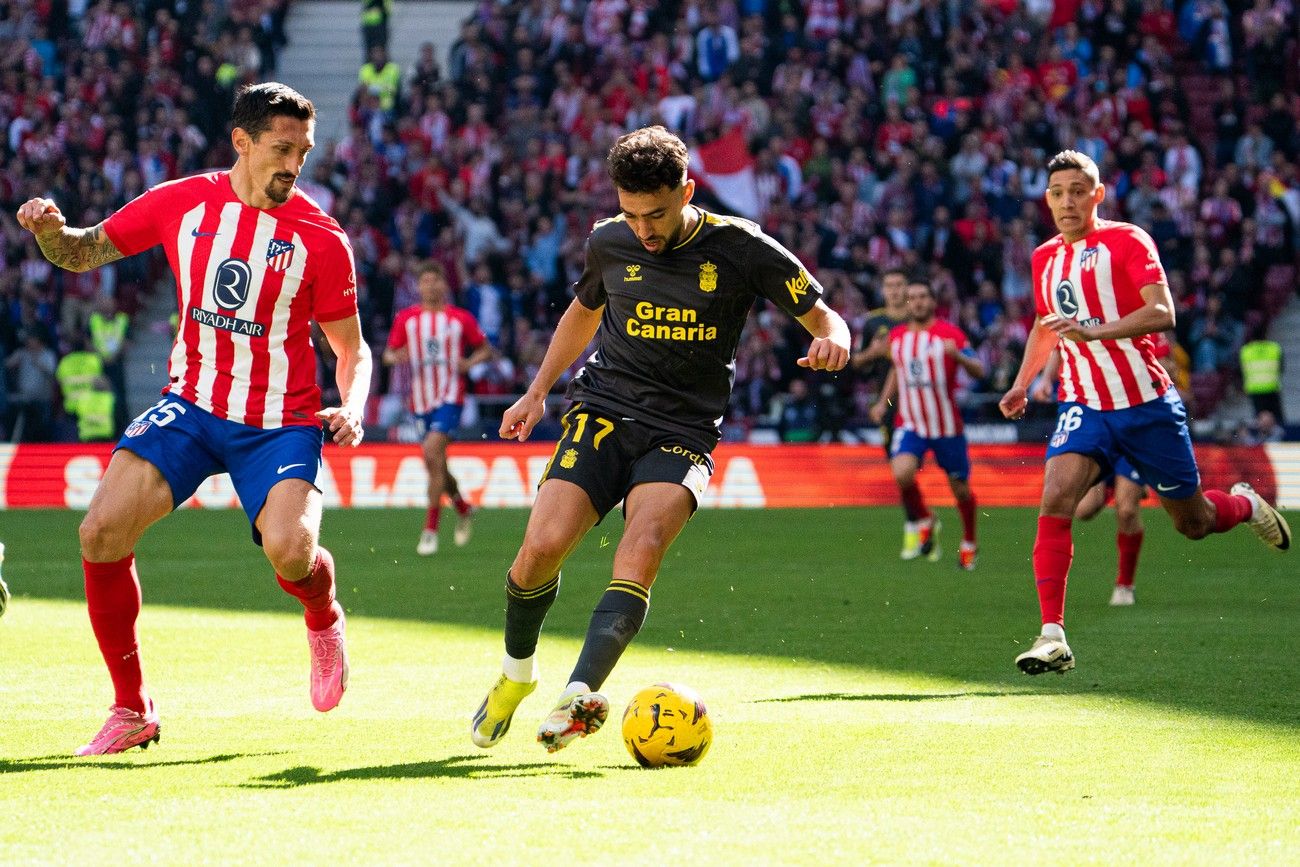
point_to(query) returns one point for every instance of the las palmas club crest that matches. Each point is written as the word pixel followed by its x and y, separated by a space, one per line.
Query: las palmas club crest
pixel 279 255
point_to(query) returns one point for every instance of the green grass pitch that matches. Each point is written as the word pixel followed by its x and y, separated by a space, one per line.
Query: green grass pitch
pixel 865 710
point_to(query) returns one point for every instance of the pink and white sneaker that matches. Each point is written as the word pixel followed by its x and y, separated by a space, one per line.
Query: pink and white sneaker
pixel 329 665
pixel 125 729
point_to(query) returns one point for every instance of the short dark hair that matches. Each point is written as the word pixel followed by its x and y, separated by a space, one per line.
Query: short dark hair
pixel 257 104
pixel 921 281
pixel 895 269
pixel 430 266
pixel 647 160
pixel 1066 160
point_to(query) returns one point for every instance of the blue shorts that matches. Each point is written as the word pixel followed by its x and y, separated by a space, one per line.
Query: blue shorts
pixel 188 444
pixel 1152 437
pixel 443 420
pixel 1125 469
pixel 949 452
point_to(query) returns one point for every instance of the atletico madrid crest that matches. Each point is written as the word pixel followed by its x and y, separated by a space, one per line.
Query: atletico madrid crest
pixel 279 255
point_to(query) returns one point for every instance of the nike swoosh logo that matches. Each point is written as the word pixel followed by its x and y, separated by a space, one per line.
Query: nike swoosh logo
pixel 1160 487
pixel 288 467
pixel 197 234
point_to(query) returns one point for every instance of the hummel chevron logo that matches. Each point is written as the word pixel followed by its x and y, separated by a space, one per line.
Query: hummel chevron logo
pixel 197 234
pixel 288 467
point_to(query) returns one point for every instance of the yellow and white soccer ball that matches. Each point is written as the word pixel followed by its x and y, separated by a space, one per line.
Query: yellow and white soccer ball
pixel 667 724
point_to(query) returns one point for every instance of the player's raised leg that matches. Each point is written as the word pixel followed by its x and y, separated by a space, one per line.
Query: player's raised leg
pixel 953 457
pixel 289 524
pixel 561 515
pixel 132 495
pixel 656 513
pixel 464 512
pixel 1066 479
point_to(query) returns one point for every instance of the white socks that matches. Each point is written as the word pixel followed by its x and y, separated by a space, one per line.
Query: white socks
pixel 520 670
pixel 1054 630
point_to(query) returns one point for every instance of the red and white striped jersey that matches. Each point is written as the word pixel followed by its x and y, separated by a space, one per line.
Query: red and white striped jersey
pixel 248 284
pixel 927 378
pixel 1095 280
pixel 437 340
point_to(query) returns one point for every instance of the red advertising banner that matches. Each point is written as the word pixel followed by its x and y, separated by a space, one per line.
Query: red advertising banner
pixel 503 475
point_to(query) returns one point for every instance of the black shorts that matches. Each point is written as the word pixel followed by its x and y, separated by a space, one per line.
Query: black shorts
pixel 607 455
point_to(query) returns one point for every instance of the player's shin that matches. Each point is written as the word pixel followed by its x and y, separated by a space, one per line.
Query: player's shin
pixel 1053 553
pixel 914 502
pixel 113 599
pixel 525 613
pixel 1229 509
pixel 1129 546
pixel 617 619
pixel 316 592
pixel 966 507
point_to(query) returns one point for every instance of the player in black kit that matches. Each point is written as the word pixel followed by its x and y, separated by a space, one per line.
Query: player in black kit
pixel 666 288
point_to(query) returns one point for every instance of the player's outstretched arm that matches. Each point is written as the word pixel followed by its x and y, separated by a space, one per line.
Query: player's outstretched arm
pixel 830 347
pixel 1037 349
pixel 577 326
pixel 352 374
pixel 73 249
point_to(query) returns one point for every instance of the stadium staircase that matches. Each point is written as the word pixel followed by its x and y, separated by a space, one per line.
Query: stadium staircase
pixel 321 60
pixel 324 51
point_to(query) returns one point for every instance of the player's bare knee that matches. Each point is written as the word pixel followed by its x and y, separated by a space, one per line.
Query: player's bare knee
pixel 290 552
pixel 102 539
pixel 538 560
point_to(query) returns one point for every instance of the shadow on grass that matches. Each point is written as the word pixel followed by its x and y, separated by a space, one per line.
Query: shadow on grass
pixel 118 762
pixel 886 696
pixel 813 585
pixel 452 767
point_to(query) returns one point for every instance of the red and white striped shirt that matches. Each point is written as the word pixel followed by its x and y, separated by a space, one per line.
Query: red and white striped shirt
pixel 1095 280
pixel 437 340
pixel 248 284
pixel 927 378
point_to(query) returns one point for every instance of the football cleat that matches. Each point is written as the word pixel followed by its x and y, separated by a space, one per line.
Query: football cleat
pixel 1122 595
pixel 428 543
pixel 911 542
pixel 492 719
pixel 329 664
pixel 930 540
pixel 124 729
pixel 464 528
pixel 967 555
pixel 1047 654
pixel 4 588
pixel 577 715
pixel 1265 521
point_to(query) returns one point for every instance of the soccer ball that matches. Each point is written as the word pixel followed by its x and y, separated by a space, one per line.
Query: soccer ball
pixel 667 724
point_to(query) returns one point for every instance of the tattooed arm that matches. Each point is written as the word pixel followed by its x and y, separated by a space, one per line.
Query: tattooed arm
pixel 73 249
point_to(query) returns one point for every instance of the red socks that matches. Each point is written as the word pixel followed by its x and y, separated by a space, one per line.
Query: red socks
pixel 1053 551
pixel 1129 545
pixel 113 599
pixel 1229 510
pixel 316 592
pixel 432 516
pixel 967 510
pixel 462 505
pixel 913 503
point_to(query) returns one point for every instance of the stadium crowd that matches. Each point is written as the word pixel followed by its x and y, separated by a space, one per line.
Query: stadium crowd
pixel 884 133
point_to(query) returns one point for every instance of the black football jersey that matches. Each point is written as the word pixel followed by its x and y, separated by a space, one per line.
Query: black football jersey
pixel 666 347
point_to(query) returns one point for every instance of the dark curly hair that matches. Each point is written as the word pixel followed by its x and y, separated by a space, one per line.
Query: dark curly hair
pixel 648 160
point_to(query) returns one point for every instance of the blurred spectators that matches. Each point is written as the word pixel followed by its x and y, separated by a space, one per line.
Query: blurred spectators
pixel 99 101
